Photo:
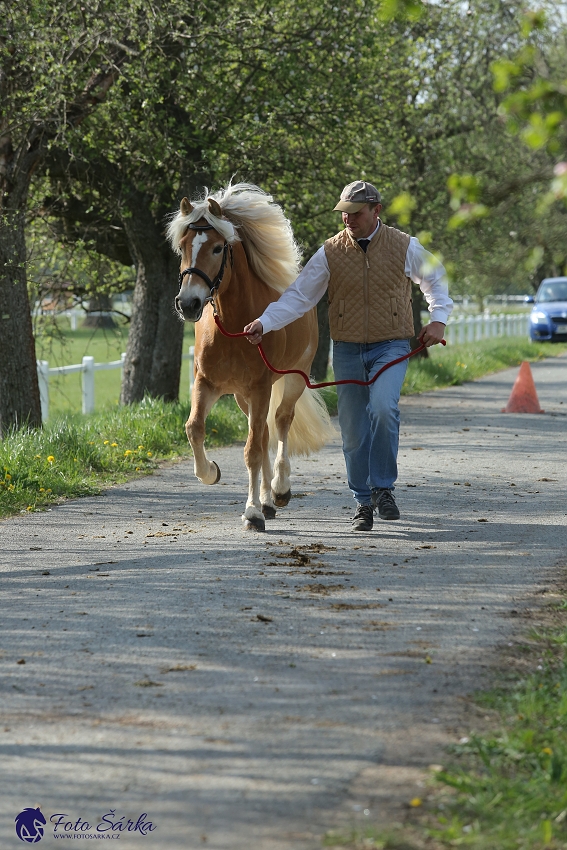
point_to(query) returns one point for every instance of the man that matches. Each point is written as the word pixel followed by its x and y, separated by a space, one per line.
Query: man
pixel 368 268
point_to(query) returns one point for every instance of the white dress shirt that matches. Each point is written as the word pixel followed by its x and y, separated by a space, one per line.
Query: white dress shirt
pixel 310 286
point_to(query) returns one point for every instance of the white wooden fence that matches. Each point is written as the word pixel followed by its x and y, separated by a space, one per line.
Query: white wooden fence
pixel 473 328
pixel 88 368
pixel 459 330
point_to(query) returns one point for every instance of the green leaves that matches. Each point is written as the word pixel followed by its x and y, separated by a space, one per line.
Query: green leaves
pixel 505 71
pixel 403 9
pixel 465 191
pixel 536 95
pixel 402 207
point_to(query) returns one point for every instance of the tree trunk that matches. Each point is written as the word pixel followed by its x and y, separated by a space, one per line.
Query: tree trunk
pixel 153 353
pixel 19 390
pixel 417 305
pixel 320 365
pixel 155 339
pixel 99 312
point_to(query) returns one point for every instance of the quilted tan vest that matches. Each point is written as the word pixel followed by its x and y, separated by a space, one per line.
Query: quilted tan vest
pixel 369 294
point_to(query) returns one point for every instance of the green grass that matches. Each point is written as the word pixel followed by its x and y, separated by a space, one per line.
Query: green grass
pixel 67 347
pixel 77 455
pixel 506 790
pixel 453 365
pixel 511 787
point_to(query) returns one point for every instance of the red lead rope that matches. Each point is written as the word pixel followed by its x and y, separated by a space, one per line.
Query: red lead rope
pixel 325 383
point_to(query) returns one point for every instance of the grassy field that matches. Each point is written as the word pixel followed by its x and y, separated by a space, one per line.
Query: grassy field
pixel 68 347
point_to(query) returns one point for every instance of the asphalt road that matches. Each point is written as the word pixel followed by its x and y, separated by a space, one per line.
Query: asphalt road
pixel 251 691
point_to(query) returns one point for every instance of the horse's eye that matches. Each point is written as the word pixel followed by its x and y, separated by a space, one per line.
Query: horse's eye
pixel 217 250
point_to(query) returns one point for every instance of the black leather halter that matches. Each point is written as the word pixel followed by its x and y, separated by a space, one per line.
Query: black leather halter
pixel 212 284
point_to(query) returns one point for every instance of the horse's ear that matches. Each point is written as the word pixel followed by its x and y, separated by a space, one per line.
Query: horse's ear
pixel 185 207
pixel 214 208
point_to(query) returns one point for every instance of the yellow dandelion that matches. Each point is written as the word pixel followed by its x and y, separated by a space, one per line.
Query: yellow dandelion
pixel 50 459
pixel 11 487
pixel 127 453
pixel 137 469
pixel 114 445
pixel 150 454
pixel 548 751
pixel 29 508
pixel 7 476
pixel 38 457
pixel 214 430
pixel 140 448
pixel 48 490
pixel 106 442
pixel 42 489
pixel 415 802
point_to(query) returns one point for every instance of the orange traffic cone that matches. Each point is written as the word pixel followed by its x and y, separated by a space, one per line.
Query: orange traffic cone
pixel 523 398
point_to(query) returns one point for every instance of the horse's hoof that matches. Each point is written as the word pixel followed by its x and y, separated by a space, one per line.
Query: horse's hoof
pixel 282 499
pixel 253 524
pixel 206 479
pixel 269 511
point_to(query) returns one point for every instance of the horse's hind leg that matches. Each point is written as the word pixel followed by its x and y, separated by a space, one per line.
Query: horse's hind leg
pixel 254 451
pixel 267 505
pixel 204 396
pixel 281 483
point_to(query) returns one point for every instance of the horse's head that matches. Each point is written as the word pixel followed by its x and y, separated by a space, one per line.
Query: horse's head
pixel 205 254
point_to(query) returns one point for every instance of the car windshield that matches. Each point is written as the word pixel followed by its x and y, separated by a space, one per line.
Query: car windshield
pixel 556 291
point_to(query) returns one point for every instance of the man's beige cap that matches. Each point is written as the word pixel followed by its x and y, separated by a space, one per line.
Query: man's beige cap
pixel 356 195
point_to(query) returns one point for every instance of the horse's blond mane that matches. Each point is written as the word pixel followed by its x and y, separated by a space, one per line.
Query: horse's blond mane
pixel 251 216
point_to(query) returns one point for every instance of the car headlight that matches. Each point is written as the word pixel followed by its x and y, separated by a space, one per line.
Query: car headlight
pixel 539 318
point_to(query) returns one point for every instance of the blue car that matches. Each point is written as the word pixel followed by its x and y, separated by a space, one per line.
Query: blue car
pixel 548 319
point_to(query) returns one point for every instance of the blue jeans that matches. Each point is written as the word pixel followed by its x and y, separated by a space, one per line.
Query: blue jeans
pixel 369 416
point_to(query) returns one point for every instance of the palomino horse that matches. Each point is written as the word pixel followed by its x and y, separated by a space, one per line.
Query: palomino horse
pixel 237 255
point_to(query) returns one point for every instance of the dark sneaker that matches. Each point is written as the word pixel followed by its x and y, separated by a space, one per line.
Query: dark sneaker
pixel 363 520
pixel 385 504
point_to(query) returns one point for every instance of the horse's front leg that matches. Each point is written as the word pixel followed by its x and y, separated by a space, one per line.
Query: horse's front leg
pixel 202 400
pixel 254 456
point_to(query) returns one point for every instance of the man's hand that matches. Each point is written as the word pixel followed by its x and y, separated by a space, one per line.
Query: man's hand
pixel 255 331
pixel 432 334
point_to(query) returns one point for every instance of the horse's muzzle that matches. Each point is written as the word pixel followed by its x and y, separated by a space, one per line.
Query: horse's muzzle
pixel 190 310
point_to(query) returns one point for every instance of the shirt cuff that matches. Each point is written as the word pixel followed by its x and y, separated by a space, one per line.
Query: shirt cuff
pixel 266 324
pixel 438 315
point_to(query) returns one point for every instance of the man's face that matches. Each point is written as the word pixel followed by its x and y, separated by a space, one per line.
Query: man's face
pixel 362 223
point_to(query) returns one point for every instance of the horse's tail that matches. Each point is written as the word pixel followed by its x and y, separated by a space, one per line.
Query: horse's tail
pixel 311 427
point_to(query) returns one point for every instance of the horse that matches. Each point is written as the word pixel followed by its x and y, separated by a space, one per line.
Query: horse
pixel 238 254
